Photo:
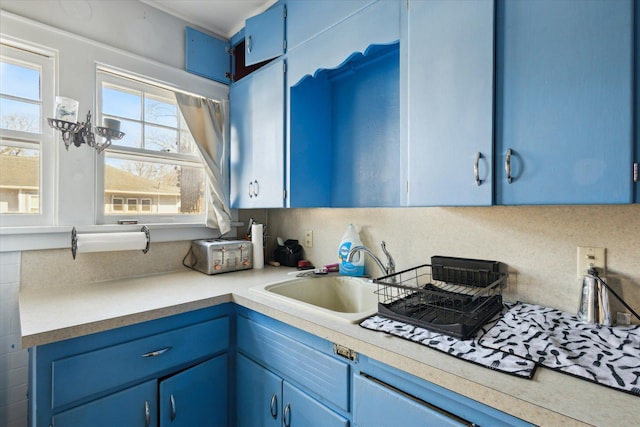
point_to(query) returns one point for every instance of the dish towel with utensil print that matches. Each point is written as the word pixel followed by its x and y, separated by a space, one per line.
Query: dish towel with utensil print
pixel 558 340
pixel 468 350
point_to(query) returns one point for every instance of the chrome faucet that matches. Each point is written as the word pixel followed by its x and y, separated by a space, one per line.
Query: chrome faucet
pixel 390 268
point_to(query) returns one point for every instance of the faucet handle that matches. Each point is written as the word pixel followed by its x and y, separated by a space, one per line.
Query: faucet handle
pixel 391 265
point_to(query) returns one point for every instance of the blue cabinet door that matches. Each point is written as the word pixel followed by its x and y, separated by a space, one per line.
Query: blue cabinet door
pixel 264 35
pixel 258 395
pixel 301 410
pixel 450 102
pixel 564 101
pixel 257 138
pixel 380 406
pixel 196 396
pixel 135 406
pixel 241 154
pixel 207 56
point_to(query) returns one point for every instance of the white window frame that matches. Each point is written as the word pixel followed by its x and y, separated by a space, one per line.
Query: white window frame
pixel 30 55
pixel 105 74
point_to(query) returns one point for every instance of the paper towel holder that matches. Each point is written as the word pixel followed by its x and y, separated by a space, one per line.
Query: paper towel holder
pixel 74 240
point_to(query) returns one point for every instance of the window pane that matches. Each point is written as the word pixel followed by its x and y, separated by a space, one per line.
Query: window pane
pixel 164 188
pixel 160 112
pixel 21 116
pixel 120 103
pixel 19 180
pixel 18 81
pixel 160 139
pixel 132 134
pixel 132 205
pixel 117 204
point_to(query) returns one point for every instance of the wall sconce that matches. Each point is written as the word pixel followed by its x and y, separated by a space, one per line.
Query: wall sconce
pixel 80 133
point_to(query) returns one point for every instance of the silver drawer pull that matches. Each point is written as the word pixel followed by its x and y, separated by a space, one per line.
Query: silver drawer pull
pixel 147 414
pixel 507 166
pixel 156 352
pixel 273 408
pixel 476 168
pixel 172 400
pixel 286 416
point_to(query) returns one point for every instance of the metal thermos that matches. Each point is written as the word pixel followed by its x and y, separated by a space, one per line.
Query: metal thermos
pixel 594 304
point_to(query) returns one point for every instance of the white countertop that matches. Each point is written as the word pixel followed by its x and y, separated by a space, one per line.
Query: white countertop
pixel 550 398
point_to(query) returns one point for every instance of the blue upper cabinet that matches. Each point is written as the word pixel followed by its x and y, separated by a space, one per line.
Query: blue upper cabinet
pixel 257 138
pixel 564 101
pixel 449 102
pixel 325 14
pixel 207 56
pixel 344 85
pixel 264 35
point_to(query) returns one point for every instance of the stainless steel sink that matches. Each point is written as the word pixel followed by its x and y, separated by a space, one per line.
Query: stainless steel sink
pixel 342 297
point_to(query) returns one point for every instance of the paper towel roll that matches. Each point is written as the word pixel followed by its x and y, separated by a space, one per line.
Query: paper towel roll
pixel 257 231
pixel 105 242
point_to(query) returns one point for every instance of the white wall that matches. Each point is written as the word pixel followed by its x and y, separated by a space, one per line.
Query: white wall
pixel 125 24
pixel 13 359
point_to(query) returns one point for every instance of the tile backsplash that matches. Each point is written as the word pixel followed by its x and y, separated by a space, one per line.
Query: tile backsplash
pixel 56 267
pixel 539 243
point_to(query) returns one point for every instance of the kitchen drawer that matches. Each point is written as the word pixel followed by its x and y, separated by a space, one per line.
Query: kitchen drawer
pixel 80 376
pixel 317 372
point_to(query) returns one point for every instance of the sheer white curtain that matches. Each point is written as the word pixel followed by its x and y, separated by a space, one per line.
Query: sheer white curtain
pixel 205 120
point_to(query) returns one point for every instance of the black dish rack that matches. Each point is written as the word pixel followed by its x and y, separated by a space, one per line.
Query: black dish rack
pixel 454 296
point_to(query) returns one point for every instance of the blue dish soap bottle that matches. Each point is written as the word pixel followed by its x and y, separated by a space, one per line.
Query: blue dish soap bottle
pixel 350 239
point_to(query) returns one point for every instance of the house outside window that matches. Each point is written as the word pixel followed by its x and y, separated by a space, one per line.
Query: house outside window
pixel 155 169
pixel 26 140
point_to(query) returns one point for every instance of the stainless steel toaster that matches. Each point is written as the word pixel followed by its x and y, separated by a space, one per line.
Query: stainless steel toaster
pixel 214 256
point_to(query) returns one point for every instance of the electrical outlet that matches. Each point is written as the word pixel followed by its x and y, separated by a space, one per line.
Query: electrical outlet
pixel 308 239
pixel 588 256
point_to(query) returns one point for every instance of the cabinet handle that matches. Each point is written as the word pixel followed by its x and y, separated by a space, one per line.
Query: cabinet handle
pixel 156 352
pixel 249 44
pixel 507 166
pixel 256 188
pixel 147 414
pixel 476 168
pixel 172 400
pixel 286 416
pixel 250 189
pixel 273 407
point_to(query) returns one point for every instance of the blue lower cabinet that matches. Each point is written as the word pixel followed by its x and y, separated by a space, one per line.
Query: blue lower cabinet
pixel 377 404
pixel 169 372
pixel 265 399
pixel 196 396
pixel 259 395
pixel 386 396
pixel 194 373
pixel 300 409
pixel 135 406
